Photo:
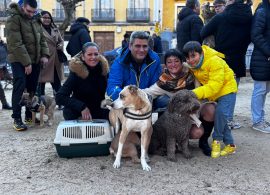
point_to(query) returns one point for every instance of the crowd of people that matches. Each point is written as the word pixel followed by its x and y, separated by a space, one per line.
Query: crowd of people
pixel 213 74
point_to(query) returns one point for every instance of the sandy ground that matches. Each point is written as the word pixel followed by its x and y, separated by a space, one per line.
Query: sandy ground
pixel 29 164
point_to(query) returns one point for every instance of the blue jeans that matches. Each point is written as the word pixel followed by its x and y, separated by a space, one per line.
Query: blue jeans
pixel 261 88
pixel 221 129
pixel 160 103
pixel 230 112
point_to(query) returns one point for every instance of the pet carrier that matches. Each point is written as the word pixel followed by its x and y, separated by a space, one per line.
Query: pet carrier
pixel 77 138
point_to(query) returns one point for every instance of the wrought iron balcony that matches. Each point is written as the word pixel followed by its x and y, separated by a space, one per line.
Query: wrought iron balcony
pixel 103 15
pixel 59 15
pixel 3 15
pixel 138 14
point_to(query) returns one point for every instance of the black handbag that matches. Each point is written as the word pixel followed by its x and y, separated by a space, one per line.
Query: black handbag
pixel 61 56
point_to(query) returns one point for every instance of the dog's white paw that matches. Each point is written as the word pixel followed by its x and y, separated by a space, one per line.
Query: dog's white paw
pixel 116 164
pixel 145 166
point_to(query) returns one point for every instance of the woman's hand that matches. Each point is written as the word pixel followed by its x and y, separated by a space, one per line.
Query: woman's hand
pixel 86 115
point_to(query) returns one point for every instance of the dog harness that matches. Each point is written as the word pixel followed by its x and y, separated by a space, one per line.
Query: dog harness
pixel 137 116
pixel 41 99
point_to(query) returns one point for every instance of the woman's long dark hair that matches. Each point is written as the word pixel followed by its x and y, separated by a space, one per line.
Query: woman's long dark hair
pixel 52 22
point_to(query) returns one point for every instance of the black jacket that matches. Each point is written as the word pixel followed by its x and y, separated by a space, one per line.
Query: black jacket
pixel 80 35
pixel 260 36
pixel 231 30
pixel 85 87
pixel 188 27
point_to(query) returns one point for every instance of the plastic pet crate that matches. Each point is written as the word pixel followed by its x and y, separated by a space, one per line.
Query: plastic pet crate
pixel 77 138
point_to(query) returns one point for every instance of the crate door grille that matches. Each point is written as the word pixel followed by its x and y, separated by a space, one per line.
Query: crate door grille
pixel 72 132
pixel 94 131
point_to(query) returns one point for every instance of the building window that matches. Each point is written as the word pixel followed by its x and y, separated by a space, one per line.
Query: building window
pixel 103 11
pixel 104 4
pixel 4 4
pixel 138 3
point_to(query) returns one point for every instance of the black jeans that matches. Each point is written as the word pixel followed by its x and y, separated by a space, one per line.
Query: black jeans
pixel 21 81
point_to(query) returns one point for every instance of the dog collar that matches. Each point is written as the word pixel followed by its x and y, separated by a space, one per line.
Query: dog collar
pixel 137 116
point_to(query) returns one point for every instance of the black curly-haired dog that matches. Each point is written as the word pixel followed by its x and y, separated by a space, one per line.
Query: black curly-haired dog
pixel 174 125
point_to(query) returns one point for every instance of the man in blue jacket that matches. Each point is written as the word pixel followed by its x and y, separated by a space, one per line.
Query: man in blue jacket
pixel 137 65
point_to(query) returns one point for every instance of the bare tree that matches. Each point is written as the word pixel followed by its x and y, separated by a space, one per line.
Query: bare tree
pixel 69 8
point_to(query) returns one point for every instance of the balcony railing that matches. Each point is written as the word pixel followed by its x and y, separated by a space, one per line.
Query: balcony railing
pixel 138 14
pixel 3 14
pixel 103 15
pixel 59 15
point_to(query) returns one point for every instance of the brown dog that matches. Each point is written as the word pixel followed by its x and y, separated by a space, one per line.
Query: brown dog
pixel 43 104
pixel 132 111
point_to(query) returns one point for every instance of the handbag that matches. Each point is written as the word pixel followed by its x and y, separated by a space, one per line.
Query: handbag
pixel 61 56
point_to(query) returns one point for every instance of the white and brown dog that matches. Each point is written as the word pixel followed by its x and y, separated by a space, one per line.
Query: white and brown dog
pixel 132 111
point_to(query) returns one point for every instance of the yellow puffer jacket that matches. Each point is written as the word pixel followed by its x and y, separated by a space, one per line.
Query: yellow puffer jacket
pixel 216 77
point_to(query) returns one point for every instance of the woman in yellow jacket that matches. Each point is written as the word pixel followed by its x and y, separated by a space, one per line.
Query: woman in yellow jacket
pixel 218 84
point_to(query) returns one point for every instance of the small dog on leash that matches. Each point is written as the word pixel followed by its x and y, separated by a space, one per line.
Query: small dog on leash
pixel 132 111
pixel 174 125
pixel 43 104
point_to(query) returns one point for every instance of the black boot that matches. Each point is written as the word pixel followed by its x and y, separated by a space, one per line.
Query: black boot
pixel 6 107
pixel 18 125
pixel 203 142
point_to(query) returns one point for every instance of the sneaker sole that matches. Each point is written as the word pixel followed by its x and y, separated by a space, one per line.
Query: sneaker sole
pixel 227 154
pixel 19 129
pixel 260 130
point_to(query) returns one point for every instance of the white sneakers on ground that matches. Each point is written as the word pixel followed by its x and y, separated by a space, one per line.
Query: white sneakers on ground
pixel 263 126
pixel 234 125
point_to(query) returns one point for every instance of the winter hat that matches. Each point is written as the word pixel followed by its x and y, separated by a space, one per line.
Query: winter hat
pixel 219 2
pixel 82 20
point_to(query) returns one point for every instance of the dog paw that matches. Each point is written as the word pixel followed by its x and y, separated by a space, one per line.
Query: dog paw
pixel 146 167
pixel 172 158
pixel 187 155
pixel 116 164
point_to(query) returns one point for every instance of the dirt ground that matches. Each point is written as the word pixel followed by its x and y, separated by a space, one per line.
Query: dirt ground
pixel 29 164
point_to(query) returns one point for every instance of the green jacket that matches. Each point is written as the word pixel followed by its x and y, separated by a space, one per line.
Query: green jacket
pixel 25 40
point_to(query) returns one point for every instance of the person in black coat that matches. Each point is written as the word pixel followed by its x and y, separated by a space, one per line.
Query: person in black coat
pixel 157 44
pixel 85 87
pixel 260 65
pixel 189 24
pixel 80 35
pixel 231 30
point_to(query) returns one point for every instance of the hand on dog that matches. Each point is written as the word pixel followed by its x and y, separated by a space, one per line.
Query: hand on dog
pixel 28 69
pixel 106 104
pixel 86 115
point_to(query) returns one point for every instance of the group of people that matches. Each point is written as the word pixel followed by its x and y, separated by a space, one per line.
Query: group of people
pixel 211 73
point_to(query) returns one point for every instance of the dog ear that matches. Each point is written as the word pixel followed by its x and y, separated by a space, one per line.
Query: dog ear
pixel 133 90
pixel 171 105
pixel 139 103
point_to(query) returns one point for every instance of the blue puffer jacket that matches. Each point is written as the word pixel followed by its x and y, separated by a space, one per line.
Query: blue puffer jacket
pixel 123 73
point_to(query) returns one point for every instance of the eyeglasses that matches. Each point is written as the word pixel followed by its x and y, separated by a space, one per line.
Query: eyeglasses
pixel 46 18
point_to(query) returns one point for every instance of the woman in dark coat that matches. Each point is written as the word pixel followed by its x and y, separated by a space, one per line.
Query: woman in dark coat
pixel 85 87
pixel 231 30
pixel 260 65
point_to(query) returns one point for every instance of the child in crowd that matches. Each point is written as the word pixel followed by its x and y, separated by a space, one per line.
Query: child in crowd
pixel 218 84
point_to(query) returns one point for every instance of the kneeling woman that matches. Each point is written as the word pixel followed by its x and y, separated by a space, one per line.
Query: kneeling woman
pixel 85 87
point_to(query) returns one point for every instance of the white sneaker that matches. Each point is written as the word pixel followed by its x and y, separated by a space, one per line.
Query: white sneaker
pixel 262 127
pixel 234 125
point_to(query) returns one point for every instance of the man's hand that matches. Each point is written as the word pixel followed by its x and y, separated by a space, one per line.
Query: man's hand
pixel 28 69
pixel 86 115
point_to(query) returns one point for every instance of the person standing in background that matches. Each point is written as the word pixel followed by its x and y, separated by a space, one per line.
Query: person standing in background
pixel 27 51
pixel 54 71
pixel 189 24
pixel 3 62
pixel 79 36
pixel 260 66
